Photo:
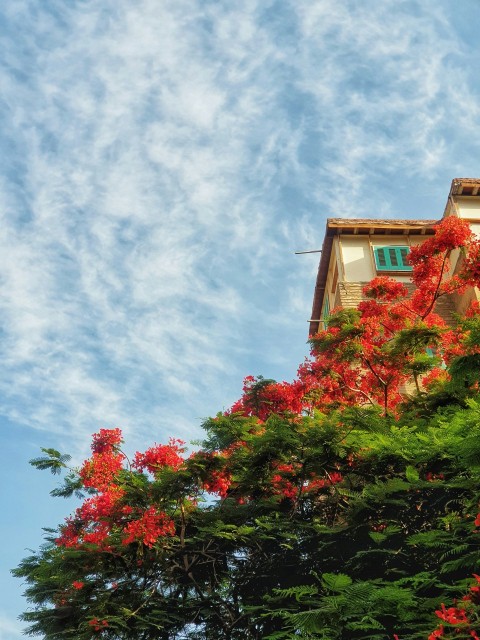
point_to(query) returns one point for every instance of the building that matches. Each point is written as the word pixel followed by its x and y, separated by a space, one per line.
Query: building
pixel 356 250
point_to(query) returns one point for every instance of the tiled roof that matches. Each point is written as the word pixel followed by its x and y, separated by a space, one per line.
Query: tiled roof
pixel 375 222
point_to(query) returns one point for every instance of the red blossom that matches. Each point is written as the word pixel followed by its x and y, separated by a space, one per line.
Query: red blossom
pixel 160 456
pixel 385 289
pixel 321 483
pixel 438 633
pixel 473 309
pixel 213 475
pixel 218 482
pixel 451 233
pixel 103 505
pixel 98 535
pixel 435 376
pixel 94 519
pixel 452 615
pixel 69 535
pixel 106 439
pixel 100 470
pixel 97 624
pixel 282 481
pixel 282 486
pixel 78 584
pixel 262 398
pixel 148 528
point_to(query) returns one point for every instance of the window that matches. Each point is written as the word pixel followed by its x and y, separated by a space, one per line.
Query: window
pixel 392 258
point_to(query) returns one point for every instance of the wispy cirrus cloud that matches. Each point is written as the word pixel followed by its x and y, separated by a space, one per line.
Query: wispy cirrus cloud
pixel 124 177
pixel 386 77
pixel 165 160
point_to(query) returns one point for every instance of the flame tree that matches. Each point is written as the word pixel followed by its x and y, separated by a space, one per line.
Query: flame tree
pixel 337 506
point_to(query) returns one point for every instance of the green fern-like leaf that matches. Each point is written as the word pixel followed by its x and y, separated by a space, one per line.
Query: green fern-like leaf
pixel 54 461
pixel 299 593
pixel 470 561
pixel 336 581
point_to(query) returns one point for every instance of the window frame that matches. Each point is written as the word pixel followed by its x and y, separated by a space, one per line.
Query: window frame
pixel 400 252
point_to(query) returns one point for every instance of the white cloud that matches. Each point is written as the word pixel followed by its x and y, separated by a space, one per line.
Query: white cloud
pixel 171 157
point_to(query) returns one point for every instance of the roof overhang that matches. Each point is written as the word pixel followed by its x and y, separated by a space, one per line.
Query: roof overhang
pixel 464 187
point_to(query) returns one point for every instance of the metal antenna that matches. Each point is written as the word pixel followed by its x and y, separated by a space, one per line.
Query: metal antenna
pixel 297 253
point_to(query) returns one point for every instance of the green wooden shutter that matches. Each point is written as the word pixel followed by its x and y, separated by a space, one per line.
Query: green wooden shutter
pixel 391 258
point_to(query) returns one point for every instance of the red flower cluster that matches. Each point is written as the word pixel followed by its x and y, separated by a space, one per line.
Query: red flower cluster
pixel 151 525
pixel 212 471
pixel 333 478
pixel 282 485
pixel 262 399
pixel 76 533
pixel 458 617
pixel 353 362
pixel 438 633
pixel 286 482
pixel 385 289
pixel 432 477
pixel 159 456
pixel 218 482
pixel 98 625
pixel 451 233
pixel 104 514
pixel 431 265
pixel 101 469
pixel 106 439
pixel 452 615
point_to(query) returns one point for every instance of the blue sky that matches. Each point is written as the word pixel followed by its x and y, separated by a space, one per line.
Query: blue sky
pixel 160 164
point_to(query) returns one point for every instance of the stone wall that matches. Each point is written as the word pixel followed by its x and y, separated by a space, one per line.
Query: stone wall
pixel 349 294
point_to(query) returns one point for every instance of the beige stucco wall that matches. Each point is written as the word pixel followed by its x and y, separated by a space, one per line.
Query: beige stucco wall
pixel 475 226
pixel 357 259
pixel 468 207
pixel 356 253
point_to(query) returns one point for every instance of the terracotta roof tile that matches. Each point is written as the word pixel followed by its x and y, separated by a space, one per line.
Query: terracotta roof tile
pixel 373 222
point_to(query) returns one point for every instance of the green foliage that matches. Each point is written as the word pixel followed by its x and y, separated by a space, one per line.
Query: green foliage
pixel 415 339
pixel 54 461
pixel 364 558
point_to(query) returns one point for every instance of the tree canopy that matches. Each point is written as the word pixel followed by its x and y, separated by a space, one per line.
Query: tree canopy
pixel 341 506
